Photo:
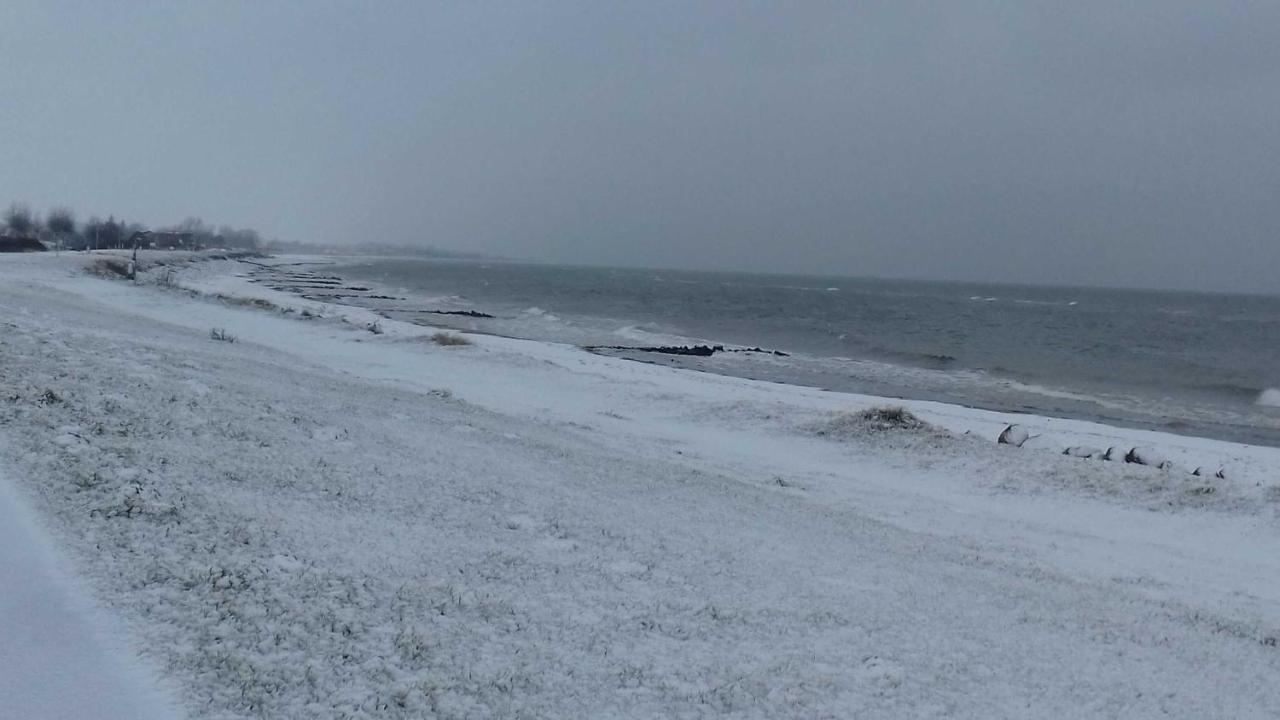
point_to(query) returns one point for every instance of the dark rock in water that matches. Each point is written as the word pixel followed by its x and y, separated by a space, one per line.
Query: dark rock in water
pixel 1014 435
pixel 1081 451
pixel 762 351
pixel 465 313
pixel 695 350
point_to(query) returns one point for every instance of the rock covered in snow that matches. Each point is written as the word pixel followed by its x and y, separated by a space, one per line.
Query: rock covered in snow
pixel 1083 451
pixel 1147 456
pixel 1014 435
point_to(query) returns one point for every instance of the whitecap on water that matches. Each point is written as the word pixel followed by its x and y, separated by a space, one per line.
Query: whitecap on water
pixel 540 313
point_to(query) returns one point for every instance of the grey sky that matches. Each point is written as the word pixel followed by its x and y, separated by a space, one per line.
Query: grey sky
pixel 1082 142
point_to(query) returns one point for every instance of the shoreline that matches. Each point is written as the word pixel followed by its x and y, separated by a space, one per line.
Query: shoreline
pixel 1006 394
pixel 217 278
pixel 318 519
pixel 962 419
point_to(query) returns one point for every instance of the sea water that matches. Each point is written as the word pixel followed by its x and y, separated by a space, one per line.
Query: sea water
pixel 1196 363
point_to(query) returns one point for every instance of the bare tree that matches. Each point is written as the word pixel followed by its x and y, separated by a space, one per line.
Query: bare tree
pixel 20 221
pixel 243 239
pixel 93 232
pixel 111 233
pixel 61 222
pixel 202 235
pixel 192 225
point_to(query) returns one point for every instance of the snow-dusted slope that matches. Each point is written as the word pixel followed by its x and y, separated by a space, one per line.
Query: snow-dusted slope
pixel 317 521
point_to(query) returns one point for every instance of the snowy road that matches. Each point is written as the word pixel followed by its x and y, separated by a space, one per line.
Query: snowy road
pixel 318 522
pixel 57 658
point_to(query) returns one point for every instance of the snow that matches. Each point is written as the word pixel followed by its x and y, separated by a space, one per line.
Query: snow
pixel 59 657
pixel 317 521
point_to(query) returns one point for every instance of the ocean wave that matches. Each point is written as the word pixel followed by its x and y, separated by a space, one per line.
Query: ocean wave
pixel 804 288
pixel 1056 303
pixel 1246 392
pixel 639 335
pixel 540 313
pixel 1269 397
pixel 1026 301
pixel 915 357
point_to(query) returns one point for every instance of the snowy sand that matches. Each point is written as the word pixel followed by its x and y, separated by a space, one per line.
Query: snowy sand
pixel 320 521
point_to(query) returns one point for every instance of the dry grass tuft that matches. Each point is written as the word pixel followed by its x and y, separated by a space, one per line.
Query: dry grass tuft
pixel 891 418
pixel 872 421
pixel 449 339
pixel 112 268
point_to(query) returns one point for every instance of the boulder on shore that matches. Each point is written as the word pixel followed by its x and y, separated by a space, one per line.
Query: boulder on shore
pixel 1147 456
pixel 1014 435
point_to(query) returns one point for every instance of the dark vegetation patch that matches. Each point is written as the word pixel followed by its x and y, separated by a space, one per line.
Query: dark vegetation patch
pixel 872 421
pixel 113 268
pixel 449 339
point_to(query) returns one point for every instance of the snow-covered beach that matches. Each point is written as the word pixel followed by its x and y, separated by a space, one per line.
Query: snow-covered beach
pixel 319 520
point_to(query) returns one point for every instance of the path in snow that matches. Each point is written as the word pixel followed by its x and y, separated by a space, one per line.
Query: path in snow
pixel 56 658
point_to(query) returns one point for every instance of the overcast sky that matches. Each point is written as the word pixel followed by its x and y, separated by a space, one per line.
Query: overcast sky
pixel 1131 144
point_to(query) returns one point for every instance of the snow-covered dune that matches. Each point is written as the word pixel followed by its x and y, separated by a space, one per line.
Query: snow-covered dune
pixel 320 520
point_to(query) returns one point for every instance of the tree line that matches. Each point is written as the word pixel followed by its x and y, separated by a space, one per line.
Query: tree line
pixel 59 228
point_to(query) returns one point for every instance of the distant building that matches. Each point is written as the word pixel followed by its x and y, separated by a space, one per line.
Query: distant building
pixel 10 244
pixel 157 240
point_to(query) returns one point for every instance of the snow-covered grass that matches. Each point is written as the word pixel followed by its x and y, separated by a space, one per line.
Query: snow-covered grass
pixel 879 419
pixel 449 339
pixel 321 521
